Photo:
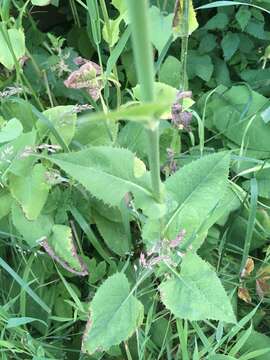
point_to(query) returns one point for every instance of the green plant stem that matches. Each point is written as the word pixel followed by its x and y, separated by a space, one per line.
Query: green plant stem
pixel 75 13
pixel 108 27
pixel 93 12
pixel 184 47
pixel 138 10
pixel 251 222
pixel 153 158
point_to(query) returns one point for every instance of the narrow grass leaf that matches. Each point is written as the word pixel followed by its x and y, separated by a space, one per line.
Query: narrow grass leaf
pixel 229 3
pixel 24 286
pixel 15 322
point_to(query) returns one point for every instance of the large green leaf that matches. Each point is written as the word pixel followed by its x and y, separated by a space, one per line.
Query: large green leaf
pixel 111 31
pixel 170 72
pixel 22 110
pixel 12 129
pixel 61 248
pixel 219 22
pixel 228 203
pixel 32 231
pixel 140 112
pixel 5 203
pixel 161 27
pixel 134 137
pixel 12 155
pixel 208 43
pixel 91 131
pixel 17 42
pixel 164 94
pixel 114 315
pixel 230 44
pixel 199 65
pixel 109 174
pixel 114 235
pixel 64 120
pixel 179 22
pixel 31 191
pixel 195 192
pixel 197 188
pixel 230 112
pixel 243 16
pixel 196 293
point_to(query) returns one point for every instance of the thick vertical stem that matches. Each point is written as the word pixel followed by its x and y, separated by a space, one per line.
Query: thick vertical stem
pixel 138 10
pixel 142 47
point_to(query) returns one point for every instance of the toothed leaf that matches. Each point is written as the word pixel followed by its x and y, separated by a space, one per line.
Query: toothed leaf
pixel 109 174
pixel 196 293
pixel 61 248
pixel 195 191
pixel 114 315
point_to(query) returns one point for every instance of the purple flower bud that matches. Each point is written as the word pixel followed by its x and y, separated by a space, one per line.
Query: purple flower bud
pixel 176 111
pixel 185 119
pixel 181 119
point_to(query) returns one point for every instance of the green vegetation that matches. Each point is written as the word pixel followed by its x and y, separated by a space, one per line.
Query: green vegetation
pixel 134 179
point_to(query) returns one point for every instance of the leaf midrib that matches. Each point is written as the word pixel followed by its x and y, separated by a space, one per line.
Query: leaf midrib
pixel 180 207
pixel 102 172
pixel 108 319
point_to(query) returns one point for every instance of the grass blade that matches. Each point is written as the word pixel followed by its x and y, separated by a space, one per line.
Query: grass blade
pixel 229 3
pixel 24 286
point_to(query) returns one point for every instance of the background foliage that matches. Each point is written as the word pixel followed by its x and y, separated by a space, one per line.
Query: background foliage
pixel 94 263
